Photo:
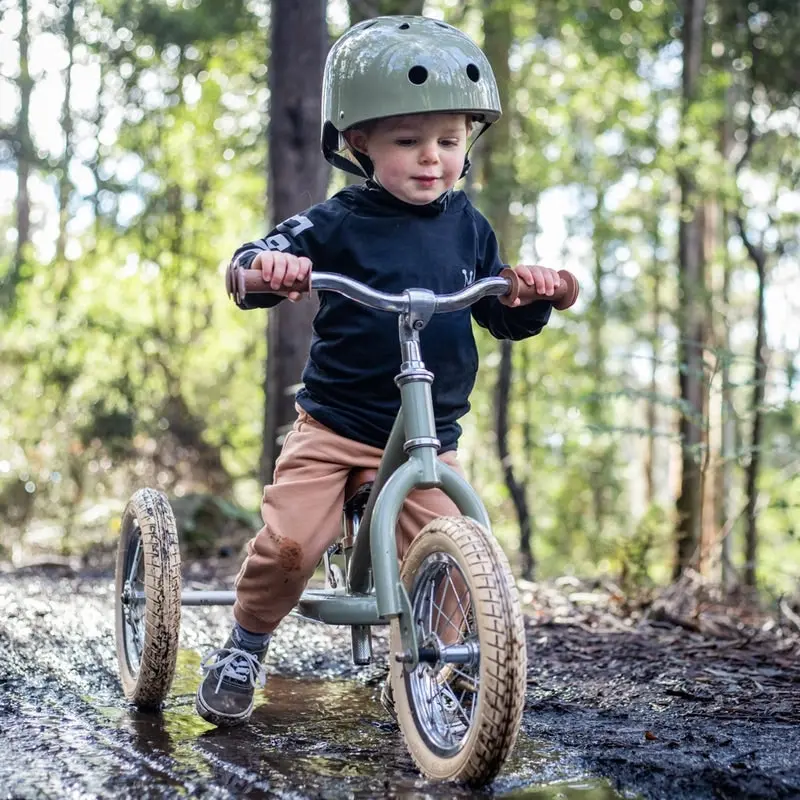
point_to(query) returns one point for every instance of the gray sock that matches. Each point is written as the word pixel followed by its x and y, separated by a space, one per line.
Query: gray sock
pixel 247 640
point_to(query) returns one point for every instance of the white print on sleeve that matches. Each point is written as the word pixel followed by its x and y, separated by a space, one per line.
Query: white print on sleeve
pixel 469 276
pixel 292 226
pixel 277 242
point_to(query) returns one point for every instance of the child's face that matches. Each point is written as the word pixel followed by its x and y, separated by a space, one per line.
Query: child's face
pixel 416 157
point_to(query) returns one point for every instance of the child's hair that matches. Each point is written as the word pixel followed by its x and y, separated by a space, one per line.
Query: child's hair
pixel 393 66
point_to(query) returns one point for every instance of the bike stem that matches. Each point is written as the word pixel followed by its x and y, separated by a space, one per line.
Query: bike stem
pixel 414 383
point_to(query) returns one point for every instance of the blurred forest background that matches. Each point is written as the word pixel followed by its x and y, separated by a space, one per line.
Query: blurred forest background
pixel 650 146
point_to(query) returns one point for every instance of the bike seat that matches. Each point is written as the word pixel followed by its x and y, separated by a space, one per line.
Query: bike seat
pixel 356 479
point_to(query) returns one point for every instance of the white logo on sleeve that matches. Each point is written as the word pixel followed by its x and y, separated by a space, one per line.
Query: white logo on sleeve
pixel 292 226
pixel 469 276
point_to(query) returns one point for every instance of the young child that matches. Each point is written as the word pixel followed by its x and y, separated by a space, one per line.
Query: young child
pixel 403 93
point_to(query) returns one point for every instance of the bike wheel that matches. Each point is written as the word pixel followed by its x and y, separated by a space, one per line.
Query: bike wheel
pixel 460 710
pixel 147 599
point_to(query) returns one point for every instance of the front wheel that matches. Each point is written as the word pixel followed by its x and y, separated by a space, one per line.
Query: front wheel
pixel 148 599
pixel 461 707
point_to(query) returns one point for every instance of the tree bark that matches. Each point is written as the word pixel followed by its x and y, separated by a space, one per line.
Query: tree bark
pixel 298 177
pixel 691 315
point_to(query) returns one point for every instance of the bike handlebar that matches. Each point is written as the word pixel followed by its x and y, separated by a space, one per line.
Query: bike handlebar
pixel 240 282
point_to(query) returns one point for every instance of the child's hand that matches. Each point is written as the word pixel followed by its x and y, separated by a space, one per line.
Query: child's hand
pixel 544 280
pixel 282 270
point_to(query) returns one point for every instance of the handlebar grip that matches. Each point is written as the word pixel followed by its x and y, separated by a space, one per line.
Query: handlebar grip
pixel 563 297
pixel 240 282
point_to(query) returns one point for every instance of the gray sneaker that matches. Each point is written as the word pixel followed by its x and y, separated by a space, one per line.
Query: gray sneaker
pixel 225 695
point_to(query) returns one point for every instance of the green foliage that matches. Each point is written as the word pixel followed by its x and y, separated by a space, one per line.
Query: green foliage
pixel 123 363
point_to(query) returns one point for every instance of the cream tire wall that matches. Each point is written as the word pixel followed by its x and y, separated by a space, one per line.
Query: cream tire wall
pixel 503 662
pixel 149 513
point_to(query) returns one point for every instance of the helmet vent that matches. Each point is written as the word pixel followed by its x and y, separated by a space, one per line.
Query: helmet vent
pixel 418 75
pixel 473 73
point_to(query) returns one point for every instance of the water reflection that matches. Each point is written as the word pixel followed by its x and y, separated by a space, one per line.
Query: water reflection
pixel 312 738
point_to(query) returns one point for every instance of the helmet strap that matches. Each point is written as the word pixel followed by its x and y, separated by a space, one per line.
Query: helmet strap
pixel 345 164
pixel 467 162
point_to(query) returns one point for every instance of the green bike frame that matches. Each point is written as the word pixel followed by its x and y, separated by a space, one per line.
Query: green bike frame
pixel 410 461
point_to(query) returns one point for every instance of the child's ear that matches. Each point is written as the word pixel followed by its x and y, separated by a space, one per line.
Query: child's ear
pixel 357 140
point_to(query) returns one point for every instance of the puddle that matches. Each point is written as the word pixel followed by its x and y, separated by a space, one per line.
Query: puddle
pixel 324 738
pixel 66 731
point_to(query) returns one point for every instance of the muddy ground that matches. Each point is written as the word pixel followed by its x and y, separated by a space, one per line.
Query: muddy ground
pixel 706 708
pixel 621 703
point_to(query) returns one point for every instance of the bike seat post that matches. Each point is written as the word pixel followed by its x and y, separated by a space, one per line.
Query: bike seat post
pixel 414 382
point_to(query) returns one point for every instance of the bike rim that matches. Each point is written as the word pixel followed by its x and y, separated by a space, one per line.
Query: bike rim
pixel 444 696
pixel 132 600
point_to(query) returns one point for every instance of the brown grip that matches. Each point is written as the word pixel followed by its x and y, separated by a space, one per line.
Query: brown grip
pixel 240 282
pixel 563 297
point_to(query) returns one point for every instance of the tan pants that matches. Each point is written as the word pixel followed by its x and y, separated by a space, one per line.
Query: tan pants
pixel 302 513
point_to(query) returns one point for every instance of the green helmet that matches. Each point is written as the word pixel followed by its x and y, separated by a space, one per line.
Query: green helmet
pixel 388 66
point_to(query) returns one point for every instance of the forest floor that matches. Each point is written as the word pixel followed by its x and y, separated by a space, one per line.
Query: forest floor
pixel 678 697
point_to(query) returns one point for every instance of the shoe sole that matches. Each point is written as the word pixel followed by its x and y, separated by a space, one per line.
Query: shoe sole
pixel 221 720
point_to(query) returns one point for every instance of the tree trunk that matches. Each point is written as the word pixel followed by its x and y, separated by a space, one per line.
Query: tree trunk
pixel 64 182
pixel 728 423
pixel 725 505
pixel 515 488
pixel 691 315
pixel 500 182
pixel 597 314
pixel 655 346
pixel 758 257
pixel 298 177
pixel 23 146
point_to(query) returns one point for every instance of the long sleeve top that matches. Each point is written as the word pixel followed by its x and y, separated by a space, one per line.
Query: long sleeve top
pixel 365 233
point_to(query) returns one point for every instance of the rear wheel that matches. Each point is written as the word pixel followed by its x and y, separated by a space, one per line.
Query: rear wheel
pixel 460 708
pixel 147 599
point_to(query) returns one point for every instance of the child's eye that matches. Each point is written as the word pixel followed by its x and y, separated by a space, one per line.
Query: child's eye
pixel 406 142
pixel 449 142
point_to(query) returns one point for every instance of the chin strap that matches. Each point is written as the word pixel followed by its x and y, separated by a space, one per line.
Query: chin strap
pixel 363 169
pixel 467 162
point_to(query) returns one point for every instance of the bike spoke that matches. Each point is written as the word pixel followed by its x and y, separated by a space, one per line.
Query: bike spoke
pixel 447 620
pixel 135 562
pixel 446 711
pixel 458 599
pixel 473 679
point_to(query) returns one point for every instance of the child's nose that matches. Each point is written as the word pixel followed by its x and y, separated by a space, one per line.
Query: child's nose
pixel 430 152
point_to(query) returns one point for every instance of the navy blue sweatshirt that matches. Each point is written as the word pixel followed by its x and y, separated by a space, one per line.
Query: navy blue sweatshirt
pixel 366 233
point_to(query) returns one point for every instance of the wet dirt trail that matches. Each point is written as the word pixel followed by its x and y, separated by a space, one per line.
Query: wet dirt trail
pixel 609 714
